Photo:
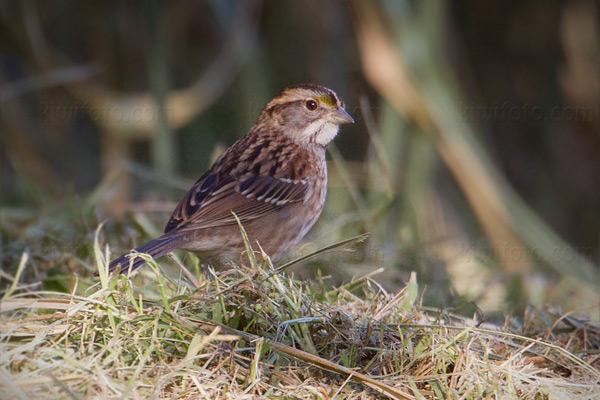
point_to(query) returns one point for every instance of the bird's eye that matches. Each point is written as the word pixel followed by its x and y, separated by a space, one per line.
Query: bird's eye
pixel 311 105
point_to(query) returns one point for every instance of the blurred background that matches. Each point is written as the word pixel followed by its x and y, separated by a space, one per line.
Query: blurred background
pixel 474 160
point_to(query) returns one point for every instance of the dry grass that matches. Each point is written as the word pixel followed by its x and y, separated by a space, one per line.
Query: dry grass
pixel 252 331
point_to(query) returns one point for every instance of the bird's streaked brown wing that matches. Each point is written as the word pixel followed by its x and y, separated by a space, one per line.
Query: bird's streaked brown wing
pixel 259 174
pixel 211 201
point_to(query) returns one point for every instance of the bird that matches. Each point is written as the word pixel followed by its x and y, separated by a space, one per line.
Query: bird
pixel 273 179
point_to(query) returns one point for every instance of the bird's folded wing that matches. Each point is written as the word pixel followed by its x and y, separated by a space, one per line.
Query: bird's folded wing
pixel 211 201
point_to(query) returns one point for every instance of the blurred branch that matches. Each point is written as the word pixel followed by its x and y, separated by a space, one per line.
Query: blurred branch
pixel 58 77
pixel 502 213
pixel 133 115
pixel 181 105
pixel 163 149
pixel 580 76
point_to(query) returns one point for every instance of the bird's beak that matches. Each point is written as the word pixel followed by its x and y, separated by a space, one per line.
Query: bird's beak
pixel 340 116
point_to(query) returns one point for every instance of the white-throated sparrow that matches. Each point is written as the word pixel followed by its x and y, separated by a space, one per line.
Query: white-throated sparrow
pixel 274 179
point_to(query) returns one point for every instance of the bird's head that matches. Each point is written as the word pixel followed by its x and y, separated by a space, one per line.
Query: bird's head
pixel 308 113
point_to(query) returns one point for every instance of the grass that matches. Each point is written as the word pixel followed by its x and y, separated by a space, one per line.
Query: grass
pixel 253 331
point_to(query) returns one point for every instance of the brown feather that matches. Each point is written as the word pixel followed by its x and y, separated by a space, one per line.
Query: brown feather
pixel 262 172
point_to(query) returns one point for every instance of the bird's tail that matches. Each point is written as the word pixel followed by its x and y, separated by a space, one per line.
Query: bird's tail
pixel 156 248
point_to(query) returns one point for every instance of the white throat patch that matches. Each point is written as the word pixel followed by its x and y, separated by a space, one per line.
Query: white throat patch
pixel 322 132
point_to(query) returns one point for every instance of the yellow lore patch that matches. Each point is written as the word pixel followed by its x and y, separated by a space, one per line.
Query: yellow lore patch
pixel 326 99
